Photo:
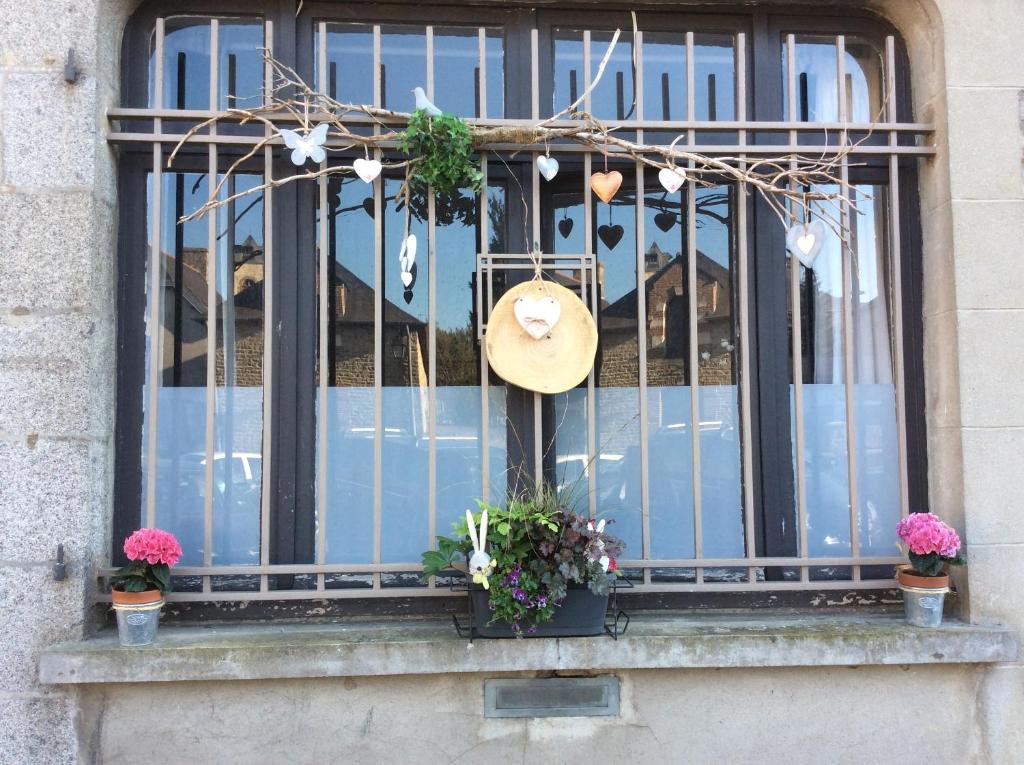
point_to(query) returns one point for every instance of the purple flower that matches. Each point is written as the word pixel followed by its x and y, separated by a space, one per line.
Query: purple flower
pixel 519 594
pixel 532 629
pixel 512 579
pixel 542 601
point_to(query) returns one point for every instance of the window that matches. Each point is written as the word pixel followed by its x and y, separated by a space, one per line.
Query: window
pixel 750 423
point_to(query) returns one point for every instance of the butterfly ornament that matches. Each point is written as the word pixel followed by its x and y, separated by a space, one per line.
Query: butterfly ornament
pixel 306 146
pixel 481 565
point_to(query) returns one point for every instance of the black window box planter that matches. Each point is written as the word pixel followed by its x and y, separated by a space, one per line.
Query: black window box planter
pixel 582 614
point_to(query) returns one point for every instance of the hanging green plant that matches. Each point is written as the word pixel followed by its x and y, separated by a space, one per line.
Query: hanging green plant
pixel 443 150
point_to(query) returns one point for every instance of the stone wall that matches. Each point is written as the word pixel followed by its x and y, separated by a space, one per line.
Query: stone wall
pixel 57 363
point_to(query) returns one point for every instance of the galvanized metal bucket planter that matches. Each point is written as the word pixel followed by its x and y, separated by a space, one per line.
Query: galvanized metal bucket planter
pixel 582 614
pixel 923 597
pixel 138 616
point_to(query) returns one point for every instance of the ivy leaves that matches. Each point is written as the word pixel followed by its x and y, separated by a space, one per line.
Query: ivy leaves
pixel 443 148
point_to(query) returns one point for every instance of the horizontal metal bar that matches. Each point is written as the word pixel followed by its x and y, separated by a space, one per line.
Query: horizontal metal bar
pixel 702 125
pixel 349 593
pixel 812 151
pixel 369 568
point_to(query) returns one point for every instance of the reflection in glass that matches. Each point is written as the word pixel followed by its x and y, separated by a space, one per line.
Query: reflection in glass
pixel 186 83
pixel 874 397
pixel 817 76
pixel 403 63
pixel 612 98
pixel 181 425
pixel 349 77
pixel 350 372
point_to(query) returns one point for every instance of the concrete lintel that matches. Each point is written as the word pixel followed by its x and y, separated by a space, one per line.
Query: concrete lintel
pixel 238 652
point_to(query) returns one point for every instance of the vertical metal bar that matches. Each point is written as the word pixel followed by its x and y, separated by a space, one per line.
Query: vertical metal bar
pixel 378 318
pixel 848 352
pixel 534 73
pixel 795 312
pixel 431 333
pixel 485 392
pixel 156 267
pixel 538 399
pixel 641 293
pixel 896 277
pixel 211 316
pixel 744 291
pixel 641 341
pixel 482 81
pixel 595 307
pixel 586 70
pixel 268 319
pixel 691 319
pixel 323 327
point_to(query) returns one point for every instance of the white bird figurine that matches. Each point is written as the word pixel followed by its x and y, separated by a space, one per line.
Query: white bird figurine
pixel 424 103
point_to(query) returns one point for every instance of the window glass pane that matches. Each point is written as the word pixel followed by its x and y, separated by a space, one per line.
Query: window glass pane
pixel 403 65
pixel 664 76
pixel 721 479
pixel 350 368
pixel 240 68
pixel 181 455
pixel 714 75
pixel 669 432
pixel 238 416
pixel 349 62
pixel 874 396
pixel 612 98
pixel 187 63
pixel 817 74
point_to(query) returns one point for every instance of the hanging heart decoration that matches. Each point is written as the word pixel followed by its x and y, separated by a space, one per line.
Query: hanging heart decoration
pixel 610 235
pixel 537 316
pixel 565 227
pixel 367 205
pixel 804 240
pixel 604 185
pixel 406 279
pixel 548 167
pixel 367 169
pixel 665 221
pixel 672 179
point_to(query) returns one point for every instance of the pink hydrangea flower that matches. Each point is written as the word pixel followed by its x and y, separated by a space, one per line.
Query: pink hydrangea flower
pixel 925 533
pixel 153 546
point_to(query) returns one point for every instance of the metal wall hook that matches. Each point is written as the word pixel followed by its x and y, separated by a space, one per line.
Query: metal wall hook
pixel 60 570
pixel 71 70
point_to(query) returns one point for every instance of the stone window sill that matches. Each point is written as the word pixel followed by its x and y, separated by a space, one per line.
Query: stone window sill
pixel 653 641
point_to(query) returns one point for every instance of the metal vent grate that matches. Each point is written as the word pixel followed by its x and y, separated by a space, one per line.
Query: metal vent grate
pixel 552 697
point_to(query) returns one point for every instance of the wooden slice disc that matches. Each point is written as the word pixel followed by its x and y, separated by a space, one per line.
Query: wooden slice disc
pixel 557 361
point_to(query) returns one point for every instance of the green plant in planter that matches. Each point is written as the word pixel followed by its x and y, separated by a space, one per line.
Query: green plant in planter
pixel 443 149
pixel 540 547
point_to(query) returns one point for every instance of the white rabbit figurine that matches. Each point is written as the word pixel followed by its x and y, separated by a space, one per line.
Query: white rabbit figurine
pixel 480 563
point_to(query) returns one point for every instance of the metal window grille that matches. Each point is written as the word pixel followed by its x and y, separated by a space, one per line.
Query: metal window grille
pixel 740 138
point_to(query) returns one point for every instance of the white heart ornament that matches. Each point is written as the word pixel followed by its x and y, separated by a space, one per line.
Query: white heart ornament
pixel 367 169
pixel 672 178
pixel 805 241
pixel 406 278
pixel 548 167
pixel 537 316
pixel 407 255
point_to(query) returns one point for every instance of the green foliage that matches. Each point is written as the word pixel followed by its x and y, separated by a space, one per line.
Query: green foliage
pixel 444 147
pixel 540 547
pixel 139 576
pixel 933 564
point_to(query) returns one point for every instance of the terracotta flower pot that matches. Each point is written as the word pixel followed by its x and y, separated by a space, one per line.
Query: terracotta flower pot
pixel 135 598
pixel 907 577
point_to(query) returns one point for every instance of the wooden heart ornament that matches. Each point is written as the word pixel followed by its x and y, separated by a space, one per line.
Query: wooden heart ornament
pixel 804 240
pixel 665 221
pixel 604 185
pixel 547 166
pixel 672 179
pixel 367 169
pixel 565 227
pixel 537 315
